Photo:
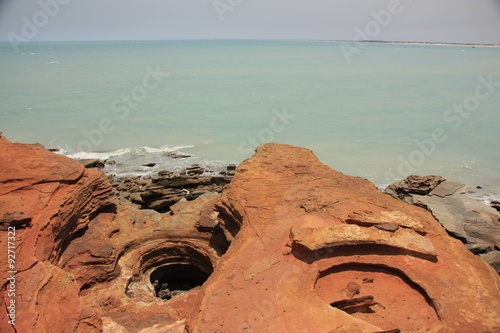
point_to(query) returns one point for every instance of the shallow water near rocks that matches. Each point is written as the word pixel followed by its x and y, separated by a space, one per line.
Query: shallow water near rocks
pixel 387 113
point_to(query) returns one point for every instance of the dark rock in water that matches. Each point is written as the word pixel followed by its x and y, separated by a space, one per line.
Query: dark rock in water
pixel 111 162
pixel 496 205
pixel 231 170
pixel 193 170
pixel 175 155
pixel 54 150
pixel 92 163
pixel 165 173
pixel 149 165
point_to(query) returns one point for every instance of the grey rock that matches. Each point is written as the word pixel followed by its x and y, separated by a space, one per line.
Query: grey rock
pixel 418 184
pixel 37 144
pixel 194 170
pixel 492 258
pixel 387 226
pixel 463 217
pixel 136 198
pixel 164 204
pixel 185 181
pixel 448 187
pixel 176 155
pixel 496 205
pixel 479 248
pixel 165 173
pixel 92 163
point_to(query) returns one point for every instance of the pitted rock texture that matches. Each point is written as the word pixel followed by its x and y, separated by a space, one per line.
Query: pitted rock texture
pixel 288 241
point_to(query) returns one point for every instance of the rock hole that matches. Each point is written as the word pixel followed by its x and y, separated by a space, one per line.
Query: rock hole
pixel 172 269
pixel 178 278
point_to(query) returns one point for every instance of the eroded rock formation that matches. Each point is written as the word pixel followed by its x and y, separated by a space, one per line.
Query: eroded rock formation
pixel 290 246
pixel 474 223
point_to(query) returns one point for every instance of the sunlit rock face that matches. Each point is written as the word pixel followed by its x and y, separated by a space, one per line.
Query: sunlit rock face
pixel 290 246
pixel 314 250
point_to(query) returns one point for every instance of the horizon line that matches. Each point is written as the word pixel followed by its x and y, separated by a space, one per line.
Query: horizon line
pixel 264 40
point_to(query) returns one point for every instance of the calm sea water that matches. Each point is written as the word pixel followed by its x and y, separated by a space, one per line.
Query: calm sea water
pixel 390 111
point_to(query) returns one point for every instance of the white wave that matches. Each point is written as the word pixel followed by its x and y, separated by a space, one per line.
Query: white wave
pixel 101 155
pixel 166 149
pixel 140 151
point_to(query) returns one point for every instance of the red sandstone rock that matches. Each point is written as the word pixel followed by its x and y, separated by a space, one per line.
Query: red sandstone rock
pixel 287 238
pixel 293 254
pixel 58 196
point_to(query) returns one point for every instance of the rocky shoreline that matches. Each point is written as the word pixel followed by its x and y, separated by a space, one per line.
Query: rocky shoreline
pixel 282 243
pixel 475 224
pixel 161 191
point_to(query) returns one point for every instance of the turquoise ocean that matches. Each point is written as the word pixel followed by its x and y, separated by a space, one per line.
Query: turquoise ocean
pixel 377 111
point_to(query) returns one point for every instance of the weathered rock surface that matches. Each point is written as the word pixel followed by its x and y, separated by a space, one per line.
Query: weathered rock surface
pixel 467 219
pixel 161 192
pixel 83 258
pixel 295 249
pixel 57 196
pixel 287 238
pixel 492 258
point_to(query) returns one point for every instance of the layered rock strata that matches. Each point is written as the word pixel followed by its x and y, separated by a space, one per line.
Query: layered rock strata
pixel 474 223
pixel 303 233
pixel 289 246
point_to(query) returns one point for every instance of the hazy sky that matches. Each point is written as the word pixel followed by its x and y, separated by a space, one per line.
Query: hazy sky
pixel 469 21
